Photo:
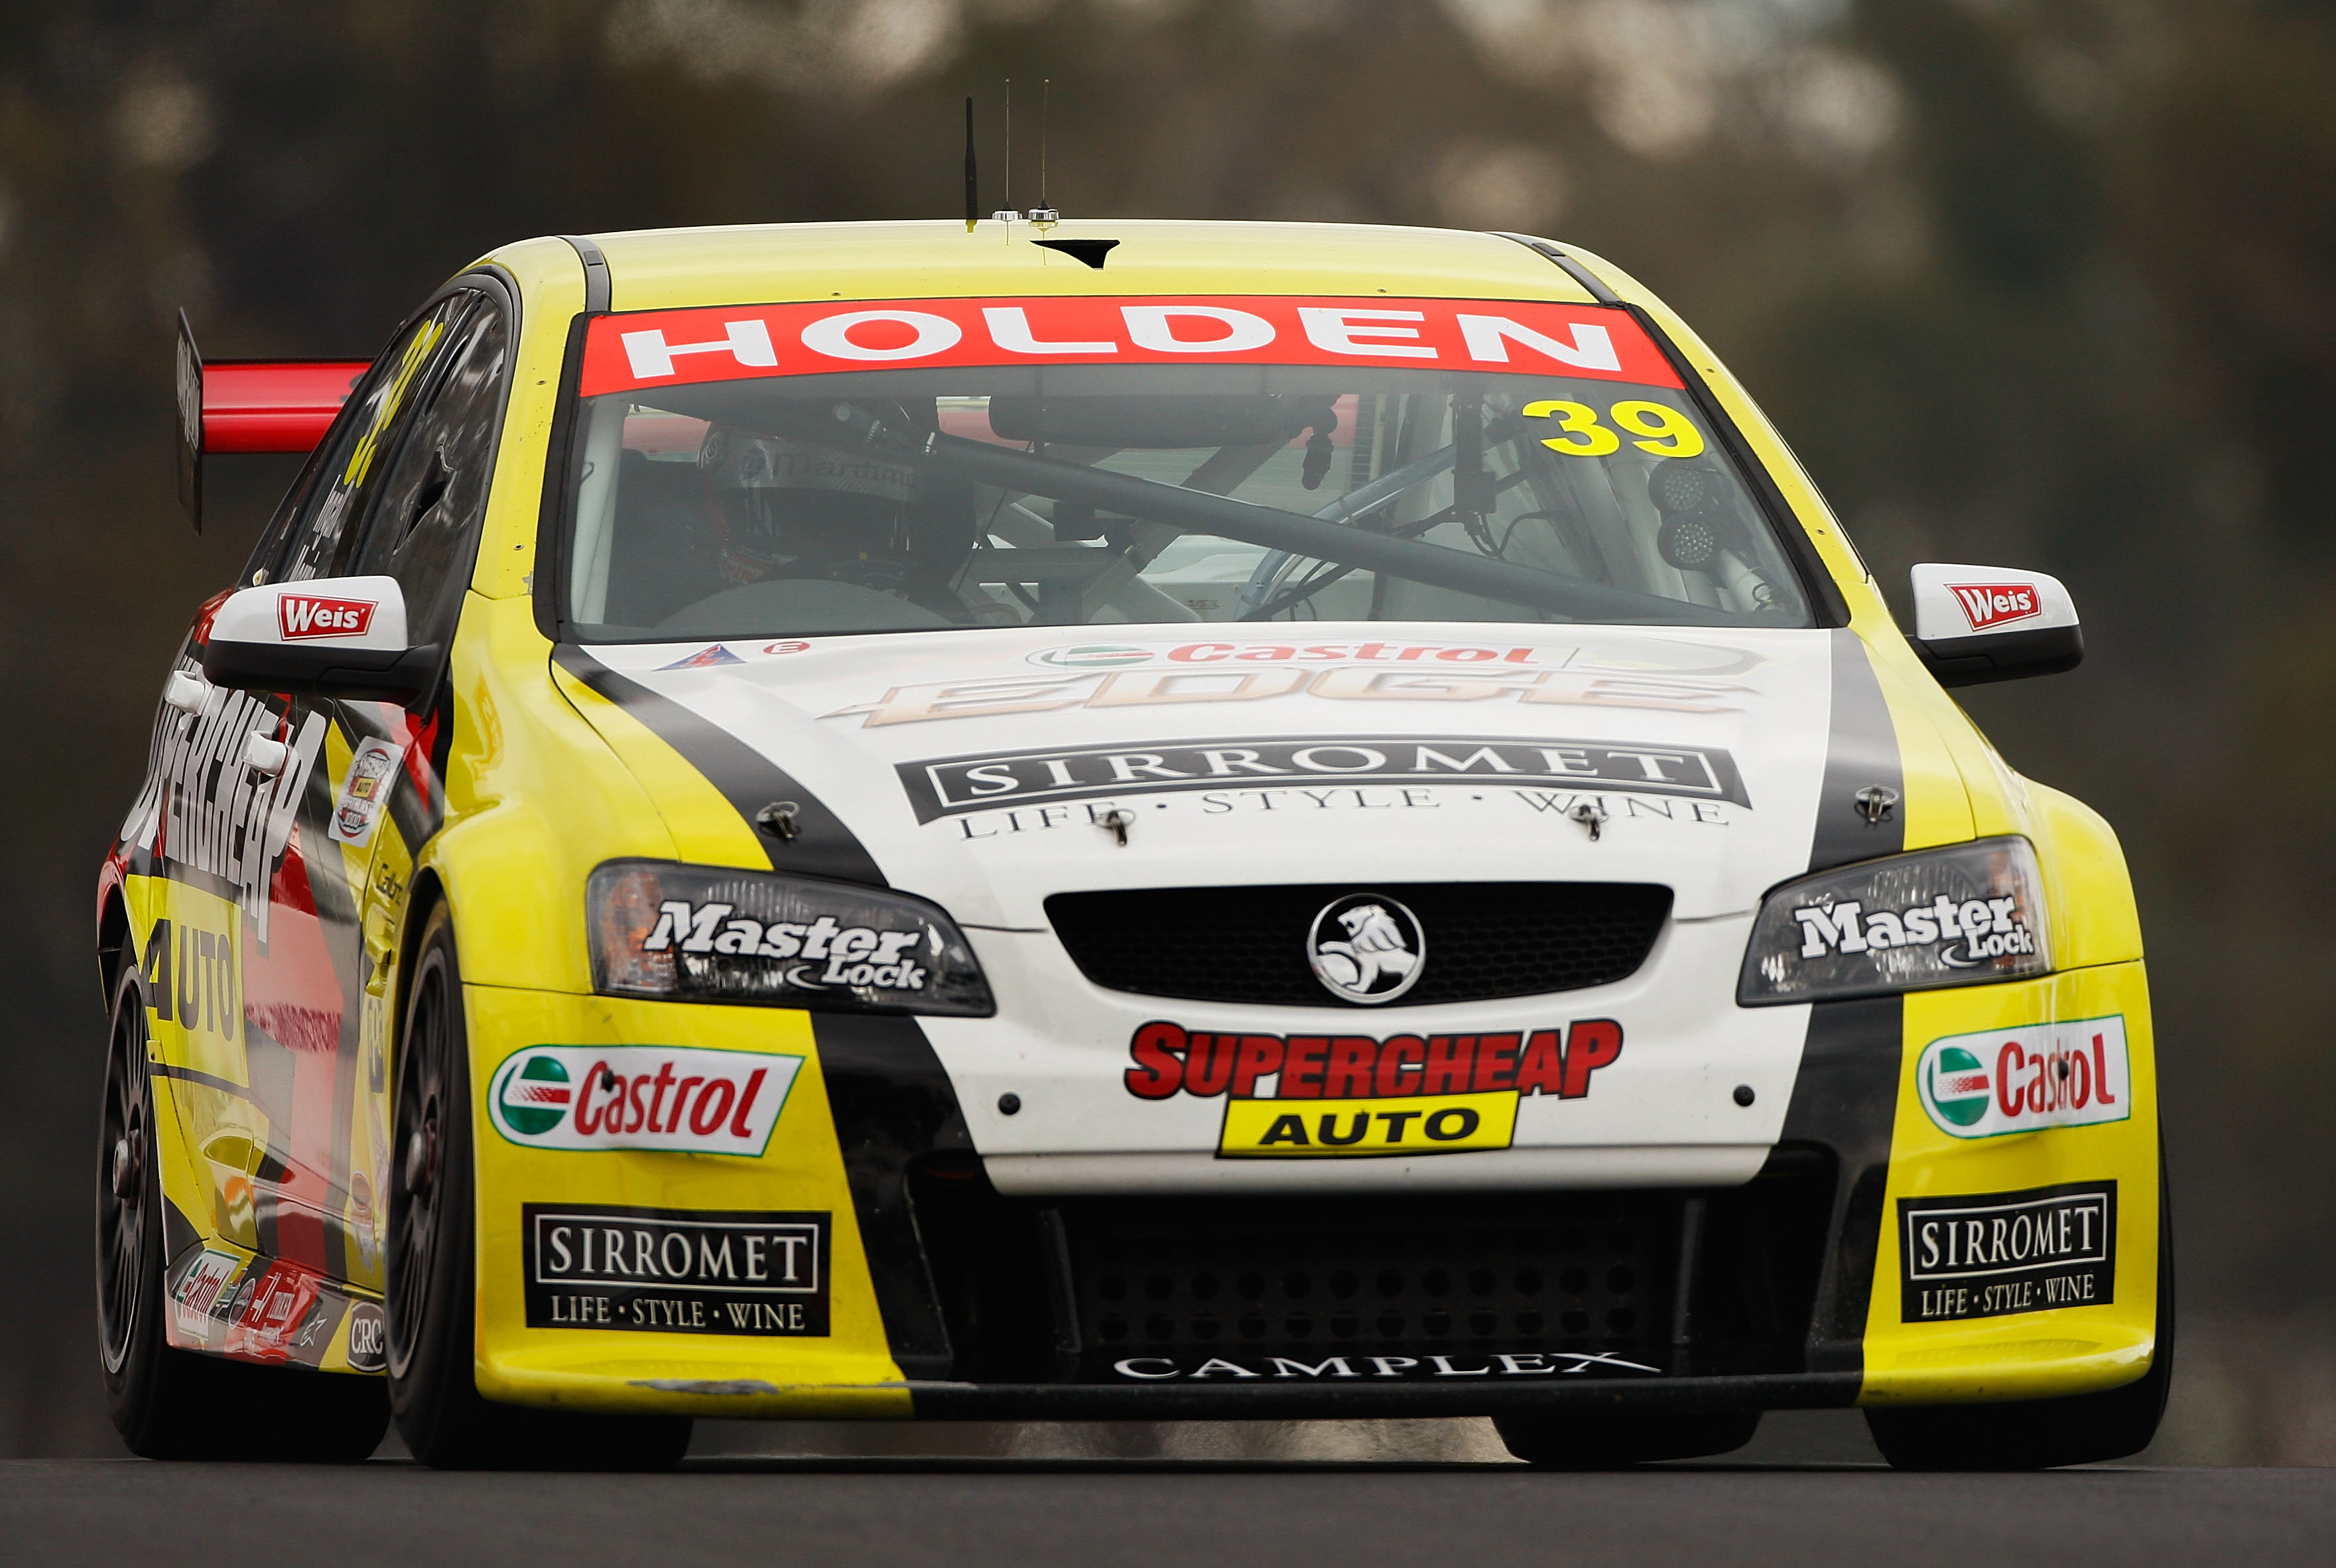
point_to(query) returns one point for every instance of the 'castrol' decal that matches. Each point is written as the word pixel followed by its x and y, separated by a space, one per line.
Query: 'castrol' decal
pixel 640 1098
pixel 2024 1080
pixel 303 615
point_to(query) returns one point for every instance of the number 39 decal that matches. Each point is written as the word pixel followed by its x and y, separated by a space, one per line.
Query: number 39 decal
pixel 1669 433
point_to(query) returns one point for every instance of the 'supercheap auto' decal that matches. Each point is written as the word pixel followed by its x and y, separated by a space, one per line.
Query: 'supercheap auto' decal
pixel 203 809
pixel 1350 1095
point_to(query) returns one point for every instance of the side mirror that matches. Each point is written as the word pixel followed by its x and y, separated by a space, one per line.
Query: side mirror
pixel 335 636
pixel 1976 624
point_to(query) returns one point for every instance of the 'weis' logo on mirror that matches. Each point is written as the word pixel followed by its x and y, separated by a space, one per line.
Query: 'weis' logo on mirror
pixel 1989 605
pixel 302 614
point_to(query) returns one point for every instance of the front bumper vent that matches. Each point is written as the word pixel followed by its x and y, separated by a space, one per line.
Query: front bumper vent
pixel 1060 1291
pixel 1484 940
pixel 1306 1280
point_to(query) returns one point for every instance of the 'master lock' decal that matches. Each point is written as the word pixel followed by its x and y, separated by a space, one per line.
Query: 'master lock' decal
pixel 644 350
pixel 947 785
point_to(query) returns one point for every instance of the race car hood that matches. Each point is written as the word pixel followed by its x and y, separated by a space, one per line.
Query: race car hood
pixel 989 769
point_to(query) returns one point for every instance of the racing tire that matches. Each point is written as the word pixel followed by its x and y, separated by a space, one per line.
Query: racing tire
pixel 1616 1439
pixel 2045 1434
pixel 432 1297
pixel 174 1404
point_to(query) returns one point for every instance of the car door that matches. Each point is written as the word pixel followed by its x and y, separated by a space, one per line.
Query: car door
pixel 314 985
pixel 422 529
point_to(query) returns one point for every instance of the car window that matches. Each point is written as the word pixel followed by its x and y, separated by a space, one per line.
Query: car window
pixel 420 522
pixel 305 541
pixel 729 484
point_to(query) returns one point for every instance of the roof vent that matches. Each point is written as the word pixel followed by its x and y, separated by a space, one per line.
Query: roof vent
pixel 1091 251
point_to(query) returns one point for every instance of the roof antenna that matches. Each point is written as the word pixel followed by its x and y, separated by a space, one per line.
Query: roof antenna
pixel 972 189
pixel 1006 214
pixel 1044 216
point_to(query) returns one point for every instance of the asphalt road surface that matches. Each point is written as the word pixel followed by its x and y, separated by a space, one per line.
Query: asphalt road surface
pixel 973 1511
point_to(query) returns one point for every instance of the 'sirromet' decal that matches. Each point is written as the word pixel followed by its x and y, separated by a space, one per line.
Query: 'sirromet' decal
pixel 676 1270
pixel 665 1097
pixel 1988 1254
pixel 2026 1079
pixel 944 787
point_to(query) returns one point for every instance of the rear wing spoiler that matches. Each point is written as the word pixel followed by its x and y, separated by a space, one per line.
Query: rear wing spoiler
pixel 252 405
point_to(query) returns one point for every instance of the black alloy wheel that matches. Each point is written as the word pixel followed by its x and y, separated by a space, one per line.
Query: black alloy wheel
pixel 1615 1439
pixel 125 1132
pixel 171 1404
pixel 433 1294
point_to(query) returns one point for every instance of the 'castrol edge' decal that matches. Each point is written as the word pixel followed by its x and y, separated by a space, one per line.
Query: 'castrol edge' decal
pixel 644 350
pixel 663 1098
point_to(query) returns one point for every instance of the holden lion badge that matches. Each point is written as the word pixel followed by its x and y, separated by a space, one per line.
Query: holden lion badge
pixel 1366 948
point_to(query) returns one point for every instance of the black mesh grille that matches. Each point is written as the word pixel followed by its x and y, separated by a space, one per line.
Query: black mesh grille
pixel 1387 1277
pixel 1483 939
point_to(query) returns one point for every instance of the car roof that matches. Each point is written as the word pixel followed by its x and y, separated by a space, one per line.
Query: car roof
pixel 668 268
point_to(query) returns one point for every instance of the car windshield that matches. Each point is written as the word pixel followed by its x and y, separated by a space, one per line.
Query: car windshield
pixel 760 504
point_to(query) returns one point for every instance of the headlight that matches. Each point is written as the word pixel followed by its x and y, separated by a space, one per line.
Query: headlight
pixel 705 934
pixel 1959 916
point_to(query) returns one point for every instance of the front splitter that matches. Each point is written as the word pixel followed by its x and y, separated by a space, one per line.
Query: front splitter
pixel 1305 1398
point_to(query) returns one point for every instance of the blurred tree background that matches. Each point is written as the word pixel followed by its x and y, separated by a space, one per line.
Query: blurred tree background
pixel 2049 284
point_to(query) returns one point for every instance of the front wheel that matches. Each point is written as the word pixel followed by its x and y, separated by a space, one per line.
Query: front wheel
pixel 432 1295
pixel 172 1404
pixel 2045 1434
pixel 1614 1439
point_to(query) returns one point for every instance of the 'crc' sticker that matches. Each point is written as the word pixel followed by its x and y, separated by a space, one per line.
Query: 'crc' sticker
pixel 2024 1080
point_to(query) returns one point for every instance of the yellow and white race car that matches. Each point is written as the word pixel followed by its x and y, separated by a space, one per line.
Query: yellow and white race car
pixel 1091 820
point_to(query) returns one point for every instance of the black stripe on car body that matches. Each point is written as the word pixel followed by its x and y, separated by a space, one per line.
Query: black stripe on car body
pixel 822 845
pixel 892 1102
pixel 1845 1096
pixel 1861 754
pixel 1846 1099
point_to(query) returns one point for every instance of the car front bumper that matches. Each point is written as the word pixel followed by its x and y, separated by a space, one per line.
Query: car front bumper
pixel 947 1293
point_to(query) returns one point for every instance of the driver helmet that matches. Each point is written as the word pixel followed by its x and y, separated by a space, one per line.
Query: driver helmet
pixel 782 503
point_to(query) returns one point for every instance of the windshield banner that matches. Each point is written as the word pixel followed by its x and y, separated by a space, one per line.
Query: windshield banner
pixel 644 350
